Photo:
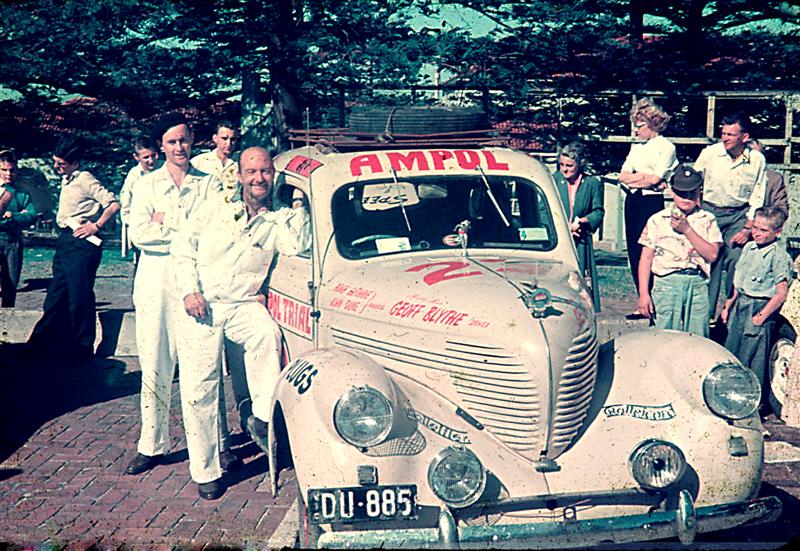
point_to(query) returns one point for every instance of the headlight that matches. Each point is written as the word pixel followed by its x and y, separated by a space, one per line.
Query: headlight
pixel 656 464
pixel 363 416
pixel 731 391
pixel 457 477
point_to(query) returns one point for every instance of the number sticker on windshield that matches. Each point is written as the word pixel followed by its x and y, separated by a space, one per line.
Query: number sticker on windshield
pixel 392 245
pixel 389 196
pixel 533 234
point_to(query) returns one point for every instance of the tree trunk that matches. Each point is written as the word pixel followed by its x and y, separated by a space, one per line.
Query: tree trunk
pixel 257 122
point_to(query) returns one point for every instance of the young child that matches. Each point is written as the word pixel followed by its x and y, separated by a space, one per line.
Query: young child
pixel 761 283
pixel 679 245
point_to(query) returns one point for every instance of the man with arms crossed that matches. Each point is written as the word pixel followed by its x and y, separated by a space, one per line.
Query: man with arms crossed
pixel 162 202
pixel 222 259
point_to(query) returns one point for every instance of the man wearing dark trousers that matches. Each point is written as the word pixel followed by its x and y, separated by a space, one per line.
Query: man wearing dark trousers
pixel 67 326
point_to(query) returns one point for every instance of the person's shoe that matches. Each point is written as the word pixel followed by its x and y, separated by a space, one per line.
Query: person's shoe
pixel 636 316
pixel 229 461
pixel 142 463
pixel 211 490
pixel 258 431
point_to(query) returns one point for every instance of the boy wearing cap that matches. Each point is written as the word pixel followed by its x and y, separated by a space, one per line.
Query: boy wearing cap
pixel 760 287
pixel 679 245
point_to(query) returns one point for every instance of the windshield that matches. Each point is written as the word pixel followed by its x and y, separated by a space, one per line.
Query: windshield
pixel 429 213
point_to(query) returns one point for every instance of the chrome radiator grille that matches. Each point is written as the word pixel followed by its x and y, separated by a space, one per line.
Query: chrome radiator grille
pixel 574 391
pixel 493 384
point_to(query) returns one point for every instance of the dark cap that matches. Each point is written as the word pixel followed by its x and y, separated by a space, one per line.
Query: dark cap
pixel 166 122
pixel 685 178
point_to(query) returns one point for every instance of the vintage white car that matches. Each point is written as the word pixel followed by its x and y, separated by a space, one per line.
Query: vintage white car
pixel 785 338
pixel 445 384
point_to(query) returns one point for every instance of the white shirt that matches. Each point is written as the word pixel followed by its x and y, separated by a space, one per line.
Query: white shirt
pixel 673 250
pixel 157 192
pixel 227 258
pixel 209 163
pixel 82 198
pixel 125 194
pixel 733 182
pixel 655 156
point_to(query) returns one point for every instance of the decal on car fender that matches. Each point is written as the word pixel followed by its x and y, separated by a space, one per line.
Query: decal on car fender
pixel 289 313
pixel 353 298
pixel 300 373
pixel 438 427
pixel 647 413
pixel 302 165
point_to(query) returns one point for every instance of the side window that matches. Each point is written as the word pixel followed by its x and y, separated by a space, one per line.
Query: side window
pixel 287 195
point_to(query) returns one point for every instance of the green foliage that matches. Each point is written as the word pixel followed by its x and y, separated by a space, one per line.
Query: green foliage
pixel 136 59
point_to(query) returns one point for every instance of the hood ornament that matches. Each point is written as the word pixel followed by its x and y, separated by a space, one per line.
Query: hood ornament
pixel 537 299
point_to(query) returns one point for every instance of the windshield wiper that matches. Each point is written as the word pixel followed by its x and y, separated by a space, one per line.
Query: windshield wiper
pixel 402 202
pixel 492 197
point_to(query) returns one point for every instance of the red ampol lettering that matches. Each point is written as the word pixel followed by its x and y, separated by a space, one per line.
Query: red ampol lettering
pixel 439 156
pixel 467 159
pixel 491 162
pixel 360 162
pixel 399 161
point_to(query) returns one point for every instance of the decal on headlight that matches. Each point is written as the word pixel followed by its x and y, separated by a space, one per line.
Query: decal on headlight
pixel 648 413
pixel 436 427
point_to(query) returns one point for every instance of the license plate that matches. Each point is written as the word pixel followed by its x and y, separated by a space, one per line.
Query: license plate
pixel 362 503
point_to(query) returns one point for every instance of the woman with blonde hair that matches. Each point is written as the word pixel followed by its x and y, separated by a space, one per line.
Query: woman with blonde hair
pixel 582 197
pixel 644 174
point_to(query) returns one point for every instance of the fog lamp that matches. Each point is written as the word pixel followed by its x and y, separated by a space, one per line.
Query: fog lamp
pixel 656 464
pixel 457 477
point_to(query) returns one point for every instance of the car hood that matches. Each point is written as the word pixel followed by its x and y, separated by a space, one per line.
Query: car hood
pixel 464 327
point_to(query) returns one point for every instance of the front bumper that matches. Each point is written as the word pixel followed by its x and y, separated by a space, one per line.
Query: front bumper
pixel 683 523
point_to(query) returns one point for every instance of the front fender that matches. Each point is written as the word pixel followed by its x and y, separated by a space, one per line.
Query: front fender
pixel 304 400
pixel 650 386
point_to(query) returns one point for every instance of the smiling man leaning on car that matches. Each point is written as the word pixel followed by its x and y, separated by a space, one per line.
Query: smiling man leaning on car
pixel 221 261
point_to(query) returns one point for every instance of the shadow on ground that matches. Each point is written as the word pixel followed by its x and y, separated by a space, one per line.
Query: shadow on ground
pixel 36 388
pixel 35 284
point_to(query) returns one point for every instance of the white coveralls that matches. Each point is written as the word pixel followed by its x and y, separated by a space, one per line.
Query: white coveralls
pixel 154 295
pixel 209 163
pixel 227 258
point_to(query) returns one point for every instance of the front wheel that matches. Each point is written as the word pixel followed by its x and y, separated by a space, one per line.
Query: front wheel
pixel 779 361
pixel 307 533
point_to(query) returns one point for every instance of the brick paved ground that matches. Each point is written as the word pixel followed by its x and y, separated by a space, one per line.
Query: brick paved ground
pixel 62 480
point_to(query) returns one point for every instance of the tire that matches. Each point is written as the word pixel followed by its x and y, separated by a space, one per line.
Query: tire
pixel 307 533
pixel 416 120
pixel 778 367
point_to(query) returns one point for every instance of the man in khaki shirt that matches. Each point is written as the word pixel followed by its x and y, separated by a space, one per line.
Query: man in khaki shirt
pixel 67 325
pixel 734 185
